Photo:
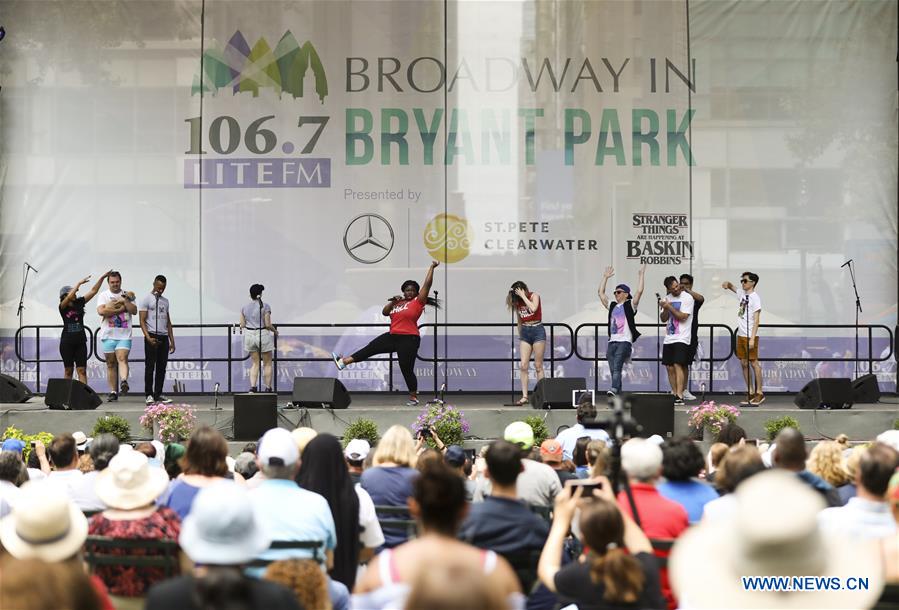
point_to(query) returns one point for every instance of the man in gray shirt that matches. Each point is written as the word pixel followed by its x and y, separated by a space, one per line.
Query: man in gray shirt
pixel 159 341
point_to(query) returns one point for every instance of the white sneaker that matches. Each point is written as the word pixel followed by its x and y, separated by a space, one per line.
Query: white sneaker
pixel 150 400
pixel 338 361
pixel 688 396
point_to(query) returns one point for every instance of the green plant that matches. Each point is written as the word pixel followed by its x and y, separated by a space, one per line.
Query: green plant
pixel 361 428
pixel 174 422
pixel 538 425
pixel 896 425
pixel 774 425
pixel 116 425
pixel 448 422
pixel 712 415
pixel 13 432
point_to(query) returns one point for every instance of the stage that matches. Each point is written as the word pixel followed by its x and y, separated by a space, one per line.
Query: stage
pixel 488 414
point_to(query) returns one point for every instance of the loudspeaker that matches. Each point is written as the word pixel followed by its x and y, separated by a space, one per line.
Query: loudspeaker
pixel 655 412
pixel 71 394
pixel 556 392
pixel 317 392
pixel 13 390
pixel 865 389
pixel 825 393
pixel 254 414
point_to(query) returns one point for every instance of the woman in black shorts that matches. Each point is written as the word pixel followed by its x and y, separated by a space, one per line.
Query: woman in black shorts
pixel 73 341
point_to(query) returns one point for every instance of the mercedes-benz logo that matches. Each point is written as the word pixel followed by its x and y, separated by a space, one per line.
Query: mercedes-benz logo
pixel 372 238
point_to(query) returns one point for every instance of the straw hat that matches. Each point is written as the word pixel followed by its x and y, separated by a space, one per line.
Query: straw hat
pixel 44 524
pixel 773 532
pixel 129 481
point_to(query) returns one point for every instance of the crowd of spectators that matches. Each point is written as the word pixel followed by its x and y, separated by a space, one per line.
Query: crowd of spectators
pixel 301 520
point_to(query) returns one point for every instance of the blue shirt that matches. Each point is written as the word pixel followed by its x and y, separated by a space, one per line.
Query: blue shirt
pixel 390 486
pixel 504 525
pixel 288 512
pixel 693 495
pixel 179 496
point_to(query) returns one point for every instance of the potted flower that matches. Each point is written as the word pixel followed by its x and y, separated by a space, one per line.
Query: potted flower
pixel 448 422
pixel 711 416
pixel 169 423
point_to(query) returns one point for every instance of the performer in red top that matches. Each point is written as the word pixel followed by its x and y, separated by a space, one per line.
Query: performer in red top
pixel 404 311
pixel 531 334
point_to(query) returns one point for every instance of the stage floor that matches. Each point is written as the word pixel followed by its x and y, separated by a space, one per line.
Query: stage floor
pixel 488 414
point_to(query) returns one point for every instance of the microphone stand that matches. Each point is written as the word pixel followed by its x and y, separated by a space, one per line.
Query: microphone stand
pixel 658 343
pixel 21 324
pixel 259 386
pixel 749 371
pixel 858 310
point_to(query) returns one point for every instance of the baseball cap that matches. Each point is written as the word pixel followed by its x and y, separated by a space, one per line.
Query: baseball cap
pixel 519 433
pixel 454 456
pixel 551 450
pixel 357 449
pixel 277 444
pixel 623 287
pixel 13 444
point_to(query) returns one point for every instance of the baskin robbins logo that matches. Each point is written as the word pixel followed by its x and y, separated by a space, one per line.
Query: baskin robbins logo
pixel 447 238
pixel 241 69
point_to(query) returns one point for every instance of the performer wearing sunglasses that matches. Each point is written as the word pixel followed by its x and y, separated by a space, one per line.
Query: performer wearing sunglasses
pixel 748 318
pixel 622 327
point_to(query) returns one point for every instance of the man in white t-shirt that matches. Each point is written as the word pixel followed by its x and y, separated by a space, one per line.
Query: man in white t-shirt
pixel 116 307
pixel 748 318
pixel 677 313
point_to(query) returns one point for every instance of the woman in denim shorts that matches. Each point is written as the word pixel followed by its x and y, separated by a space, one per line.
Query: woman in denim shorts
pixel 531 334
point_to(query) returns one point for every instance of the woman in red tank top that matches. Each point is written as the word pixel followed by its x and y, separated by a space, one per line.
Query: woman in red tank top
pixel 403 338
pixel 531 334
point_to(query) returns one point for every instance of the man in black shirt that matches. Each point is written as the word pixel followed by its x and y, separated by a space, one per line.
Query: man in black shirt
pixel 686 282
pixel 73 341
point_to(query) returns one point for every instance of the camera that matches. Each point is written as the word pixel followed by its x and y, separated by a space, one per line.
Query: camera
pixel 424 432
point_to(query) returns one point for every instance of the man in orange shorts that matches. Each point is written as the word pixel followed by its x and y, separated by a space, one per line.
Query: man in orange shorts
pixel 748 317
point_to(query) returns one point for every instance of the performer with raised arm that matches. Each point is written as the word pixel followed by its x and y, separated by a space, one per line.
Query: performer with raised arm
pixel 259 338
pixel 403 338
pixel 116 307
pixel 622 326
pixel 677 311
pixel 531 334
pixel 159 340
pixel 73 341
pixel 686 282
pixel 748 318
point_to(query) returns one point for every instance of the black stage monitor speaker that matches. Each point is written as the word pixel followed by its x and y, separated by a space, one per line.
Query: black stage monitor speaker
pixel 825 393
pixel 556 392
pixel 654 412
pixel 254 414
pixel 71 394
pixel 865 389
pixel 13 390
pixel 317 392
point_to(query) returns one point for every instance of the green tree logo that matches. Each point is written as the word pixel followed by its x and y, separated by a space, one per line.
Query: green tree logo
pixel 241 68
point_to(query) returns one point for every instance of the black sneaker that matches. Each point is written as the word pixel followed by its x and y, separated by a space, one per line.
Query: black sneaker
pixel 125 388
pixel 112 397
pixel 253 389
pixel 269 391
pixel 678 401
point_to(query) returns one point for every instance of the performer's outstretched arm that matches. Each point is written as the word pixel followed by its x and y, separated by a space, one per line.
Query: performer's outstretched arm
pixel 426 285
pixel 641 275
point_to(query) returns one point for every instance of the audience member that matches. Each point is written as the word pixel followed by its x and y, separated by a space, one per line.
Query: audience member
pixel 129 487
pixel 579 457
pixel 102 450
pixel 302 436
pixel 853 458
pixel 174 453
pixel 82 441
pixel 731 434
pixel 12 475
pixel 446 583
pixel 389 480
pixel 64 457
pixel 46 525
pixel 245 465
pixel 551 455
pixel 773 531
pixel 538 484
pixel 502 522
pixel 147 448
pixel 438 504
pixel 323 471
pixel 427 455
pixel 681 464
pixel 598 456
pixel 289 512
pixel 586 412
pixel 305 578
pixel 867 515
pixel 455 458
pixel 619 570
pixel 355 453
pixel 220 535
pixel 716 453
pixel 738 464
pixel 32 584
pixel 790 454
pixel 203 465
pixel 826 461
pixel 85 463
pixel 889 437
pixel 38 462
